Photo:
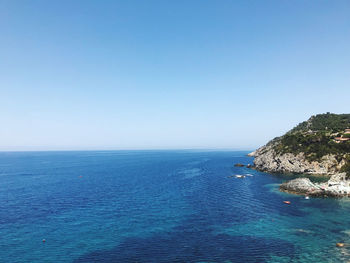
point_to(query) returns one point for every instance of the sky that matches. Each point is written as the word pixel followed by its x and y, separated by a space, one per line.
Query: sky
pixel 180 74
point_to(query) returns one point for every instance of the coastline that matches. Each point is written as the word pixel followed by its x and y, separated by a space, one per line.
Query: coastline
pixel 337 186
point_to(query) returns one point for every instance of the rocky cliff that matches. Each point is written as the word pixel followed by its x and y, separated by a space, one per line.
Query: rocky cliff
pixel 268 159
pixel 320 145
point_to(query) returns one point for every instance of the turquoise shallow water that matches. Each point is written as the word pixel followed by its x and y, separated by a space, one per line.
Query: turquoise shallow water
pixel 159 206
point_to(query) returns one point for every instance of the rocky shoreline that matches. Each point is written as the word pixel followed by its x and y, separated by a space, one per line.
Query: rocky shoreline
pixel 336 186
pixel 266 160
pixel 318 146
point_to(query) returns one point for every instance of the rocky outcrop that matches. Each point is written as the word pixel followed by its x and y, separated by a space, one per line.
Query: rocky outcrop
pixel 311 148
pixel 252 154
pixel 300 186
pixel 337 186
pixel 266 159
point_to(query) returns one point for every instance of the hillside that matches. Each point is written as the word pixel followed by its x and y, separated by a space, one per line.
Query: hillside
pixel 320 145
pixel 324 122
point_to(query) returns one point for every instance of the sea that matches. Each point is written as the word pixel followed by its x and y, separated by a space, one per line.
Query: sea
pixel 160 206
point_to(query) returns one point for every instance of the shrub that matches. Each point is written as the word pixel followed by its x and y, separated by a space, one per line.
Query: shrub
pixel 346 135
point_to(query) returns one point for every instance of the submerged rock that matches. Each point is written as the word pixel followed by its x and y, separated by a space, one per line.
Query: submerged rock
pixel 239 165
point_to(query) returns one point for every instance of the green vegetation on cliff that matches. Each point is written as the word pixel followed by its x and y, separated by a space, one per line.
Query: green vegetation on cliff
pixel 321 135
pixel 324 122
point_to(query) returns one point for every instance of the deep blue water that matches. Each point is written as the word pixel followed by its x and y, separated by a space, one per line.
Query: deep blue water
pixel 159 206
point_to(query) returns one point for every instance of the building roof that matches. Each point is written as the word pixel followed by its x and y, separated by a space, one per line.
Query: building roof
pixel 341 139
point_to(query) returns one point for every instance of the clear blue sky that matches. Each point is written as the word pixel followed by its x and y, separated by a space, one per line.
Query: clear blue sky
pixel 164 74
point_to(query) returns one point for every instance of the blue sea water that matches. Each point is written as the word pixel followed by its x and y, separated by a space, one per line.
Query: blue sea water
pixel 159 206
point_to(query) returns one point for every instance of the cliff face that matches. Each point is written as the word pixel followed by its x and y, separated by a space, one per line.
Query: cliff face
pixel 320 145
pixel 267 159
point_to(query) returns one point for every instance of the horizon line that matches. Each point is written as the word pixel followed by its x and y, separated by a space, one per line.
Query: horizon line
pixel 134 149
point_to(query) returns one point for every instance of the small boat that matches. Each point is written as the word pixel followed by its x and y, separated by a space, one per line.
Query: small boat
pixel 307 198
pixel 240 176
pixel 286 202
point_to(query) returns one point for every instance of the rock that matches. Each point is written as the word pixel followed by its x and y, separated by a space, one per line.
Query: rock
pixel 270 161
pixel 252 154
pixel 294 153
pixel 267 159
pixel 336 186
pixel 239 165
pixel 300 186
